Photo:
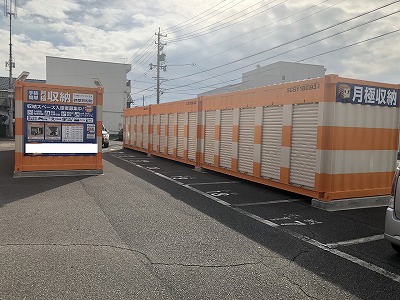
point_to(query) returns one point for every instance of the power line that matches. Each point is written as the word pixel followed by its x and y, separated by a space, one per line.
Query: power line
pixel 294 40
pixel 256 29
pixel 203 31
pixel 202 18
pixel 317 55
pixel 308 44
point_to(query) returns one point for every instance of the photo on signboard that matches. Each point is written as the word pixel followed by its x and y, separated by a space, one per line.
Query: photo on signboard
pixel 35 131
pixel 53 131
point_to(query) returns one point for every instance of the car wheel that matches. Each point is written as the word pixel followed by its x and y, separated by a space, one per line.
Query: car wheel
pixel 106 145
pixel 396 247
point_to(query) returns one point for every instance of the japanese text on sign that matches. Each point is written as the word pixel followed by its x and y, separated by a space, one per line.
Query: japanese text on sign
pixel 56 96
pixel 366 95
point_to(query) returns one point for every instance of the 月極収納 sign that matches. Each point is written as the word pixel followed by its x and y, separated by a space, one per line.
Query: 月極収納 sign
pixel 366 95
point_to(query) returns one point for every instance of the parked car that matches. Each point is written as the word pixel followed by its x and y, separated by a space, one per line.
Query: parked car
pixel 121 135
pixel 392 221
pixel 105 137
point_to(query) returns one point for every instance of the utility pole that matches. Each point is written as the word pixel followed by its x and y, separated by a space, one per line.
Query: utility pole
pixel 160 61
pixel 10 9
pixel 143 100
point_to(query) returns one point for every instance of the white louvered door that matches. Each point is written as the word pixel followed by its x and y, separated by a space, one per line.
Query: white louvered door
pixel 225 151
pixel 209 137
pixel 192 138
pixel 304 145
pixel 181 135
pixel 246 140
pixel 271 142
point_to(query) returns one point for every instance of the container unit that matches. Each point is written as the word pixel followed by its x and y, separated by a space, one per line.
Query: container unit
pixel 328 138
pixel 58 130
pixel 167 130
pixel 137 128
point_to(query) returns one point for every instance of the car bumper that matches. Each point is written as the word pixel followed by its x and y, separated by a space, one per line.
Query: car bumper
pixel 392 227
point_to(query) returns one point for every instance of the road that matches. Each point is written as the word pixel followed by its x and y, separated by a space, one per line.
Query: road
pixel 150 228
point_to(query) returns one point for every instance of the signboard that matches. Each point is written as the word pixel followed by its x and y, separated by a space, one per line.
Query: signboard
pixel 59 123
pixel 366 95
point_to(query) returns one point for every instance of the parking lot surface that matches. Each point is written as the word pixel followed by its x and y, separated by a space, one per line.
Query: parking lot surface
pixel 150 228
pixel 353 237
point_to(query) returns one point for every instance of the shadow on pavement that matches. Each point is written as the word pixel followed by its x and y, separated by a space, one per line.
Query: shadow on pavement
pixel 14 189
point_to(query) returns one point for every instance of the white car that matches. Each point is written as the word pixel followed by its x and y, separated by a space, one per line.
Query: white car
pixel 105 140
pixel 392 221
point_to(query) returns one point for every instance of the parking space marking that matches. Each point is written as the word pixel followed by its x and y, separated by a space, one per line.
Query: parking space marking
pixel 285 229
pixel 357 241
pixel 207 183
pixel 268 202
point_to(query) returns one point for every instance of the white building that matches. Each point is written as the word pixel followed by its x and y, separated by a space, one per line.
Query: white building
pixel 275 73
pixel 77 72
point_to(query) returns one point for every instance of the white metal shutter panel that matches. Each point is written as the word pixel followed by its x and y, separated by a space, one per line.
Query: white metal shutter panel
pixel 146 132
pixel 163 135
pixel 171 136
pixel 192 138
pixel 304 145
pixel 133 130
pixel 246 140
pixel 225 151
pixel 271 142
pixel 139 127
pixel 156 138
pixel 181 135
pixel 127 128
pixel 209 137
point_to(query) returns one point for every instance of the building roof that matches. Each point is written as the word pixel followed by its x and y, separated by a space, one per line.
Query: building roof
pixel 4 82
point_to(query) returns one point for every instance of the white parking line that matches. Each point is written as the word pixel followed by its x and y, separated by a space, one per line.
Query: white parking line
pixel 299 236
pixel 356 241
pixel 207 183
pixel 268 202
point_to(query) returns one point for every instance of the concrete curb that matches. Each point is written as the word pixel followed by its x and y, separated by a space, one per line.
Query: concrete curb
pixel 351 203
pixel 57 173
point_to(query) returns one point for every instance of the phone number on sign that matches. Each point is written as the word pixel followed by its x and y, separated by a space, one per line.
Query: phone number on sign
pixel 303 88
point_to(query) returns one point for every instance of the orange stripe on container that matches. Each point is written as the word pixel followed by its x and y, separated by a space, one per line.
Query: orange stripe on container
pixel 99 126
pixel 353 194
pixel 353 182
pixel 217 132
pixel 235 164
pixel 19 128
pixel 216 160
pixel 353 138
pixel 50 163
pixel 18 162
pixel 235 133
pixel 256 169
pixel 286 136
pixel 257 134
pixel 285 175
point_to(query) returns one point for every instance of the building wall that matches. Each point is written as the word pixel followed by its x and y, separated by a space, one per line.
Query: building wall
pixel 77 72
pixel 279 72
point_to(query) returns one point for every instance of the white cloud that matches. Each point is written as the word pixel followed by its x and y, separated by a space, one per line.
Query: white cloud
pixel 113 31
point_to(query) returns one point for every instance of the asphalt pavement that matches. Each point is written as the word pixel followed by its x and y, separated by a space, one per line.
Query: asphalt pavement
pixel 150 228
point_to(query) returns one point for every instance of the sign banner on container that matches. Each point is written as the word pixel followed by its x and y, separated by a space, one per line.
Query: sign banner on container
pixel 58 124
pixel 366 95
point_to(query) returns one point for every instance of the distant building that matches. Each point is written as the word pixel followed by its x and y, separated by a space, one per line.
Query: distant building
pixel 4 102
pixel 112 76
pixel 275 73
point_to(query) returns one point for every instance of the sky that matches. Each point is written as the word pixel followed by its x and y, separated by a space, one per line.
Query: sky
pixel 208 43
